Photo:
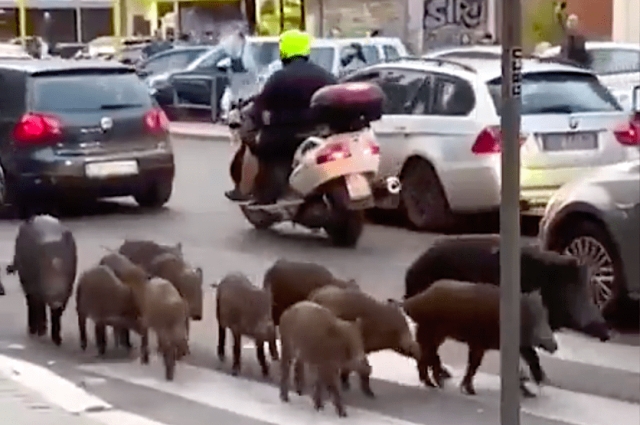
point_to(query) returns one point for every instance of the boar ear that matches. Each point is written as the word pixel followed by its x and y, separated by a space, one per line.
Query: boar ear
pixel 199 273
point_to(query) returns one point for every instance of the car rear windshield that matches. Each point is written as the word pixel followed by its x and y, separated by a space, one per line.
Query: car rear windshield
pixel 89 92
pixel 559 92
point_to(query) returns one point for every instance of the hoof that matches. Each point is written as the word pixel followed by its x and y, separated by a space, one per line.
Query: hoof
pixel 284 398
pixel 368 393
pixel 444 373
pixel 526 392
pixel 342 413
pixel 467 389
pixel 235 371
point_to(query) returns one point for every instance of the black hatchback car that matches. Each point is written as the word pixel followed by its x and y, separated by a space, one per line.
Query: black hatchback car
pixel 80 130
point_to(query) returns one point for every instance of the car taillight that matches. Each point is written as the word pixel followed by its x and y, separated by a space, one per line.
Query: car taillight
pixel 372 149
pixel 628 134
pixel 490 141
pixel 332 153
pixel 37 129
pixel 156 121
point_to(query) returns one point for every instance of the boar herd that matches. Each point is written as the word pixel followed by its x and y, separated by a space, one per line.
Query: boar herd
pixel 326 325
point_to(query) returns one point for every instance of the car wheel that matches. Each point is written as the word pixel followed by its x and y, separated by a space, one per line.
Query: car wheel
pixel 422 197
pixel 155 195
pixel 591 244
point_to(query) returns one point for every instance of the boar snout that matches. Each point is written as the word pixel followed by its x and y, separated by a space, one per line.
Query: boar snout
pixel 549 344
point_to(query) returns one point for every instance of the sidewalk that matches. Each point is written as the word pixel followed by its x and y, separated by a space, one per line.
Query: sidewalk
pixel 199 130
pixel 21 406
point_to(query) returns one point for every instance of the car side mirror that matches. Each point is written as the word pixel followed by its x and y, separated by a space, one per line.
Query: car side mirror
pixel 635 99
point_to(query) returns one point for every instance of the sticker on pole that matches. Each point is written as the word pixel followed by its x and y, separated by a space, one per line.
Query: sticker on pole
pixel 516 67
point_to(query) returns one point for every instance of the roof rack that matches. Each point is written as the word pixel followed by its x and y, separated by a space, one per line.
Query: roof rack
pixel 437 61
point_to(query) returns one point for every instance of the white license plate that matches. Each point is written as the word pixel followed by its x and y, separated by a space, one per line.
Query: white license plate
pixel 357 186
pixel 111 169
pixel 570 141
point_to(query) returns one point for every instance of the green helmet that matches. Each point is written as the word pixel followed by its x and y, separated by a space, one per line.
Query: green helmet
pixel 294 43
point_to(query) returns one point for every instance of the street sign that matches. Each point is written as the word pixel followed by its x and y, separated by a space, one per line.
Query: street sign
pixel 510 213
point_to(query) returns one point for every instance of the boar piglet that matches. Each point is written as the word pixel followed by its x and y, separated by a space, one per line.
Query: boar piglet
pixel 103 298
pixel 245 310
pixel 46 260
pixel 312 336
pixel 167 315
pixel 186 279
pixel 127 272
pixel 291 281
pixel 470 313
pixel 384 324
pixel 142 252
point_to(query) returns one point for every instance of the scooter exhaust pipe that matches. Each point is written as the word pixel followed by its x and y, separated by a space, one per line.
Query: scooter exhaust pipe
pixel 393 185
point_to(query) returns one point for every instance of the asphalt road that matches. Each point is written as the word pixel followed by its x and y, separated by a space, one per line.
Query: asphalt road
pixel 216 237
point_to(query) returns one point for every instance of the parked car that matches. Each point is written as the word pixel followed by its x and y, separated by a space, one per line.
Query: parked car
pixel 440 132
pixel 617 66
pixel 13 51
pixel 472 51
pixel 110 45
pixel 80 129
pixel 596 218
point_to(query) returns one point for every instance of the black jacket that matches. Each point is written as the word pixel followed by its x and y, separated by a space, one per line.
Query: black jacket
pixel 574 49
pixel 286 96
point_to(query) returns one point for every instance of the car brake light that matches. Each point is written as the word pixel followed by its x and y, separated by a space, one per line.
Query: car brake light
pixel 628 134
pixel 156 121
pixel 372 149
pixel 332 153
pixel 37 129
pixel 490 141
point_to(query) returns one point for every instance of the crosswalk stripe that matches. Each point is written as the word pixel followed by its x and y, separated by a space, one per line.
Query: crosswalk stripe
pixel 252 399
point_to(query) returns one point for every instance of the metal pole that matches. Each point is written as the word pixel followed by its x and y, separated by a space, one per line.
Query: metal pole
pixel 79 22
pixel 510 214
pixel 22 19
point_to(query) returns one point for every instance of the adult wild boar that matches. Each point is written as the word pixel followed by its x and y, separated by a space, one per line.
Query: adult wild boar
pixel 384 325
pixel 186 279
pixel 103 298
pixel 312 336
pixel 143 252
pixel 245 310
pixel 470 313
pixel 562 282
pixel 292 281
pixel 46 261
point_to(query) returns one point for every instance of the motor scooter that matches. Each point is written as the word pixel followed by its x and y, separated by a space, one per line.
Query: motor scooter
pixel 330 185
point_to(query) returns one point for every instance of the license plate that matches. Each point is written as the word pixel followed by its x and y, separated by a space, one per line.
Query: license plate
pixel 357 186
pixel 570 141
pixel 111 169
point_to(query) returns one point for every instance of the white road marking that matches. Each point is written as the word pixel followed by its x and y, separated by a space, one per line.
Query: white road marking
pixel 65 394
pixel 255 400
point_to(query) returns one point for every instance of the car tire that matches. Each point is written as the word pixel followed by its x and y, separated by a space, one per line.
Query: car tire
pixel 155 195
pixel 422 198
pixel 586 239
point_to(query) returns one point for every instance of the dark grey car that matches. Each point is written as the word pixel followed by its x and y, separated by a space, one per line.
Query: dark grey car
pixel 80 129
pixel 597 219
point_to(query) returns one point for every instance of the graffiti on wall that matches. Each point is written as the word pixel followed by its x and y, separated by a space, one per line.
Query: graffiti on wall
pixel 454 21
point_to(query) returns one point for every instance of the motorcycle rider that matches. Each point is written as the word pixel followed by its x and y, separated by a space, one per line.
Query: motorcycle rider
pixel 283 114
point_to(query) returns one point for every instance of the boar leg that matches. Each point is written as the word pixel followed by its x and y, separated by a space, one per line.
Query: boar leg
pixel 56 318
pixel 237 339
pixel 262 359
pixel 39 316
pixel 169 358
pixel 533 361
pixel 2 292
pixel 475 359
pixel 222 340
pixel 273 349
pixel 101 338
pixel 344 379
pixel 298 376
pixel 285 372
pixel 144 347
pixel 365 385
pixel 32 316
pixel 318 392
pixel 82 329
pixel 332 381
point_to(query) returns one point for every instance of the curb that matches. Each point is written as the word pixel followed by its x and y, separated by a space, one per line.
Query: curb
pixel 66 395
pixel 180 135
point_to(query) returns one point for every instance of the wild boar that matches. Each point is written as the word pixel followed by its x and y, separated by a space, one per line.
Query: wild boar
pixel 2 291
pixel 167 315
pixel 186 279
pixel 46 260
pixel 312 336
pixel 384 324
pixel 291 281
pixel 563 283
pixel 103 298
pixel 142 252
pixel 470 313
pixel 126 271
pixel 245 310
